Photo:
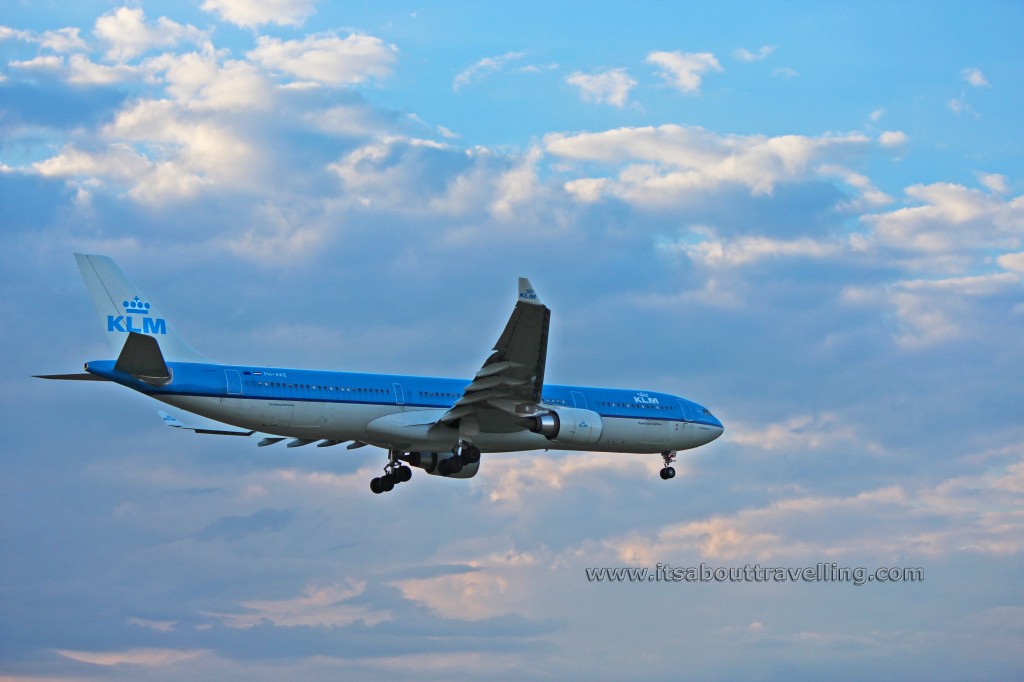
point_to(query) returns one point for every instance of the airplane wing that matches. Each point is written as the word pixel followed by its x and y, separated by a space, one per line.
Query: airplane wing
pixel 508 386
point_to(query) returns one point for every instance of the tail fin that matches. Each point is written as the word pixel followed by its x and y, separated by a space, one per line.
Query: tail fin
pixel 123 309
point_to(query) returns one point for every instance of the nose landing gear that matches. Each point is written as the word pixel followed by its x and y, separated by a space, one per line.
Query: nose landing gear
pixel 668 471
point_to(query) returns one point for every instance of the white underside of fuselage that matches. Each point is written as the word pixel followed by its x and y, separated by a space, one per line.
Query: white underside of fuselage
pixel 406 428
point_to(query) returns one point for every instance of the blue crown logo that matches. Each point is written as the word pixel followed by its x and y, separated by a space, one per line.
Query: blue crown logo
pixel 135 307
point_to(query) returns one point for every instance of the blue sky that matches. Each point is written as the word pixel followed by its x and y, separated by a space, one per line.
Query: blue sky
pixel 807 216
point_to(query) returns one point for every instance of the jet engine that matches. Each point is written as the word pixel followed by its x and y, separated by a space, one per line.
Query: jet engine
pixel 441 464
pixel 567 425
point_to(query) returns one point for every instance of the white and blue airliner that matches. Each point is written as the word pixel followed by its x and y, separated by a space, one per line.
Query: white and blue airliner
pixel 438 425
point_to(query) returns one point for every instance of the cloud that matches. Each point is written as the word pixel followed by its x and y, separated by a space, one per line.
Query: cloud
pixel 253 13
pixel 40 63
pixel 745 55
pixel 784 72
pixel 63 40
pixel 959 105
pixel 327 59
pixel 148 658
pixel 934 311
pixel 608 87
pixel 893 138
pixel 995 182
pixel 877 115
pixel 8 33
pixel 670 161
pixel 126 31
pixel 975 78
pixel 801 432
pixel 1012 261
pixel 951 218
pixel 200 81
pixel 320 606
pixel 684 71
pixel 713 252
pixel 482 68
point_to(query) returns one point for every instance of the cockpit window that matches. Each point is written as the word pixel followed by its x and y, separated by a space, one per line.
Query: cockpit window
pixel 707 412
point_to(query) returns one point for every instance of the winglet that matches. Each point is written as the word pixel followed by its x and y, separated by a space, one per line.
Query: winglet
pixel 527 293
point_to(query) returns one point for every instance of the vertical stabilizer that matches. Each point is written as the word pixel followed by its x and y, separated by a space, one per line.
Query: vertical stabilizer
pixel 123 309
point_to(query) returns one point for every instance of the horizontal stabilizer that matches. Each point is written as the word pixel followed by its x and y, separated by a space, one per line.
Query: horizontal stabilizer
pixel 141 357
pixel 85 376
pixel 175 423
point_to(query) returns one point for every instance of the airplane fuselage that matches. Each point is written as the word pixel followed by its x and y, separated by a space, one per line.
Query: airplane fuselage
pixel 399 412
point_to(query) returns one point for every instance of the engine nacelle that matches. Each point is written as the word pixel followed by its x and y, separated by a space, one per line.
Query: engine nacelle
pixel 567 425
pixel 441 464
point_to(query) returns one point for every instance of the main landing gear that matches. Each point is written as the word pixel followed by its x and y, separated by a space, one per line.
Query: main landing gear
pixel 668 472
pixel 394 473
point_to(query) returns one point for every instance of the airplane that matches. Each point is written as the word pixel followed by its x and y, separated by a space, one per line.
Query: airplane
pixel 438 425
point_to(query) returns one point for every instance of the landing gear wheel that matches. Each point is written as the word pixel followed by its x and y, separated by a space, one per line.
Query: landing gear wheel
pixel 470 454
pixel 394 473
pixel 668 472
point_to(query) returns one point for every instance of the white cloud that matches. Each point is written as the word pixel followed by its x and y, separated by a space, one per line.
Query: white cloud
pixel 8 33
pixel 117 161
pixel 952 218
pixel 745 55
pixel 959 105
pixel 149 658
pixel 517 188
pixel 995 182
pixel 784 72
pixel 976 512
pixel 199 81
pixel 63 40
pixel 316 607
pixel 712 251
pixel 893 138
pixel 483 67
pixel 803 432
pixel 609 87
pixel 933 311
pixel 253 13
pixel 670 161
pixel 129 36
pixel 869 195
pixel 684 71
pixel 40 63
pixel 157 625
pixel 196 147
pixel 81 71
pixel 327 59
pixel 877 115
pixel 975 77
pixel 1012 261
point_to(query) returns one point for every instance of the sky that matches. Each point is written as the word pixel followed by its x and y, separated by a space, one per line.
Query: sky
pixel 807 216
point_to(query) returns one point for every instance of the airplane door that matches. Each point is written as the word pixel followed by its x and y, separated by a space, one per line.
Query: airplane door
pixel 399 394
pixel 234 381
pixel 579 400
